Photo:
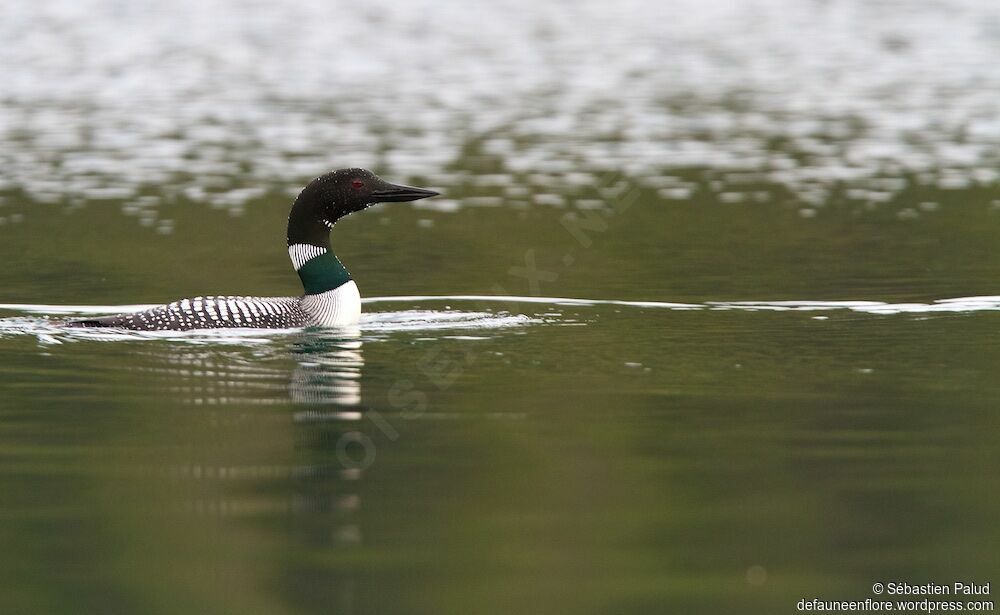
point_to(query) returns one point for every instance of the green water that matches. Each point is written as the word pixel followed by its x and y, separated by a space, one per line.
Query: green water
pixel 766 396
pixel 597 458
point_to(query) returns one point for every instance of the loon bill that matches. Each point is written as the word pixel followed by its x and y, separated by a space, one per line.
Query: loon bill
pixel 331 297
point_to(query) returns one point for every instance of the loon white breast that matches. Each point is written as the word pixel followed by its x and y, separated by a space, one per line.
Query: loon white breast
pixel 331 297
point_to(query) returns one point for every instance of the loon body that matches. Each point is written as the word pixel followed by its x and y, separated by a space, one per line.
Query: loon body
pixel 331 297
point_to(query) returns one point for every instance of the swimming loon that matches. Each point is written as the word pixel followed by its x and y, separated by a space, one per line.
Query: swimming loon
pixel 331 296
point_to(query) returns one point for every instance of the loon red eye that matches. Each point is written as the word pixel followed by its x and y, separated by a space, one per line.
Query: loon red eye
pixel 357 184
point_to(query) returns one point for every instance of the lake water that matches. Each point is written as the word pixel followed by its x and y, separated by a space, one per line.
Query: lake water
pixel 705 321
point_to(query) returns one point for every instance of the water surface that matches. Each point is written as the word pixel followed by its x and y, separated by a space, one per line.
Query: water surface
pixel 706 320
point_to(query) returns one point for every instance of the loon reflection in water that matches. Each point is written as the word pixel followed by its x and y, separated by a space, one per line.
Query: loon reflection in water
pixel 269 424
pixel 331 297
pixel 326 373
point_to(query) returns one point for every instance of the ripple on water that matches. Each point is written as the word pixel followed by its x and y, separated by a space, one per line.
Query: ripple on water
pixel 45 324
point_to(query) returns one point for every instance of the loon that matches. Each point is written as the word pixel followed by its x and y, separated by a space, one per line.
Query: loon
pixel 331 297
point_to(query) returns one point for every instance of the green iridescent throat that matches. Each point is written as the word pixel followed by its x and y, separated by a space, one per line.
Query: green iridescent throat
pixel 323 273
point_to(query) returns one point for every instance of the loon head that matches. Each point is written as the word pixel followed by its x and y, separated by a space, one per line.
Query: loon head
pixel 330 197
